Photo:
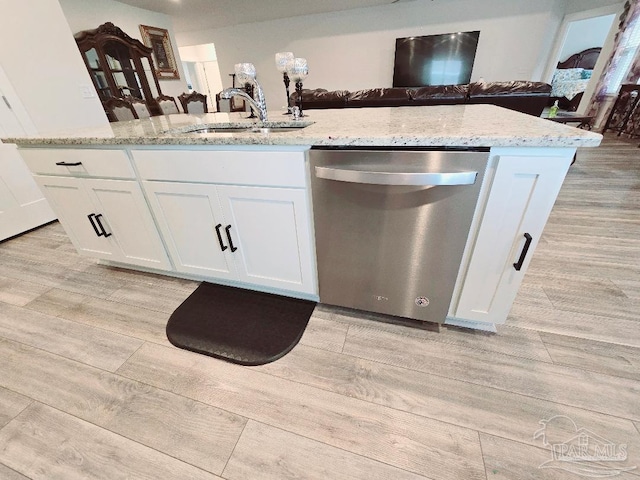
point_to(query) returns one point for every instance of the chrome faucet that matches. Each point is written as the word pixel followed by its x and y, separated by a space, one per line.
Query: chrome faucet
pixel 259 105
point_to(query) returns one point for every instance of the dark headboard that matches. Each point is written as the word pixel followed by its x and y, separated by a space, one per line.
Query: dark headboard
pixel 584 59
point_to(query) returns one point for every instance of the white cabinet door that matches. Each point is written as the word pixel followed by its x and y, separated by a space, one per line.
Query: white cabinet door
pixel 522 195
pixel 14 119
pixel 122 211
pixel 254 235
pixel 70 200
pixel 191 222
pixel 106 219
pixel 9 123
pixel 22 205
pixel 271 236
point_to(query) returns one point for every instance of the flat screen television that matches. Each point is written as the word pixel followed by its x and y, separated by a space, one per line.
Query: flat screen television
pixel 435 59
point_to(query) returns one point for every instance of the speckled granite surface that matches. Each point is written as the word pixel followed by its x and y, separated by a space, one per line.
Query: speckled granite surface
pixel 446 125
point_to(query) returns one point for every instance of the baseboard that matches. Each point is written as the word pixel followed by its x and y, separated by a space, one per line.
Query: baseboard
pixel 24 218
pixel 486 327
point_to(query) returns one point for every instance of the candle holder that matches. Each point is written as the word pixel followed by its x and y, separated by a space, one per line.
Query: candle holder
pixel 246 76
pixel 282 60
pixel 298 70
pixel 245 72
pixel 248 87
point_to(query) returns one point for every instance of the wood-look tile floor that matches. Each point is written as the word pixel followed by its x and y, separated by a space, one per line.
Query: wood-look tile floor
pixel 91 388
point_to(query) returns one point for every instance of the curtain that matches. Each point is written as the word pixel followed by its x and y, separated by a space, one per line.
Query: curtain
pixel 630 15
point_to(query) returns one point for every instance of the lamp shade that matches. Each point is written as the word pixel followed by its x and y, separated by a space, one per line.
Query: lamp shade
pixel 282 59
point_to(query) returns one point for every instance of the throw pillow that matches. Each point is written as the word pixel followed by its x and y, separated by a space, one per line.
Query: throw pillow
pixel 567 75
pixel 586 74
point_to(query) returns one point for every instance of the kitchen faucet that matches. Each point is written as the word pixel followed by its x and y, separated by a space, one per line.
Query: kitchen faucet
pixel 259 105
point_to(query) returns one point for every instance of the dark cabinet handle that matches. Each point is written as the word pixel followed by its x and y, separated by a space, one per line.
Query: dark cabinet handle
pixel 223 247
pixel 228 227
pixel 523 254
pixel 104 232
pixel 95 229
pixel 67 164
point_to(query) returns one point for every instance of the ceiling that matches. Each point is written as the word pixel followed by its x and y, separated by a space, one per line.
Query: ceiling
pixel 191 15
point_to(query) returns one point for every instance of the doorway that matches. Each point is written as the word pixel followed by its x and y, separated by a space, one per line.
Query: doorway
pixel 579 35
pixel 202 72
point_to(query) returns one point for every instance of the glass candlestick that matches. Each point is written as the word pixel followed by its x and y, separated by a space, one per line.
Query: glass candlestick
pixel 298 70
pixel 282 60
pixel 248 87
pixel 246 76
pixel 245 72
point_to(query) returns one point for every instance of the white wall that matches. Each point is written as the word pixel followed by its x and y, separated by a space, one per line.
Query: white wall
pixel 42 63
pixel 587 33
pixel 354 49
pixel 89 14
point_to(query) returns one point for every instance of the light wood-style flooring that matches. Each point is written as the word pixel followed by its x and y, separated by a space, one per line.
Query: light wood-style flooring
pixel 90 387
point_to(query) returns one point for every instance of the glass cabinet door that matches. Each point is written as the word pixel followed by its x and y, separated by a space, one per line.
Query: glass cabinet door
pixel 97 73
pixel 120 62
pixel 150 76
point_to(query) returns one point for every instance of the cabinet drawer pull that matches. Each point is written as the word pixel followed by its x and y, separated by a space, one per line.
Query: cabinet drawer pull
pixel 228 227
pixel 95 229
pixel 223 247
pixel 67 164
pixel 523 254
pixel 104 232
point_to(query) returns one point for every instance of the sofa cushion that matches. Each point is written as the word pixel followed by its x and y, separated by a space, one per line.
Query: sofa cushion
pixel 516 87
pixel 439 94
pixel 379 97
pixel 321 98
pixel 522 96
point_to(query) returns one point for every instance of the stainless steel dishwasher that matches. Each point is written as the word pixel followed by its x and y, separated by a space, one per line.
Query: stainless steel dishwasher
pixel 391 227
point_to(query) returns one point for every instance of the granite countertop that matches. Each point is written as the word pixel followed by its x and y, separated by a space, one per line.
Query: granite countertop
pixel 443 125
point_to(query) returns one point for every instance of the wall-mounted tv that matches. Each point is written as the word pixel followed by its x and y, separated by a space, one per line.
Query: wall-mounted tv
pixel 435 59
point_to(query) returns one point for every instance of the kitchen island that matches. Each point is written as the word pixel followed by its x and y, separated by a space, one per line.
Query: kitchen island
pixel 236 207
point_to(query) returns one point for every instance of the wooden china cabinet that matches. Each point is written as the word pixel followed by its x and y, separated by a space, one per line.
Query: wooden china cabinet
pixel 119 65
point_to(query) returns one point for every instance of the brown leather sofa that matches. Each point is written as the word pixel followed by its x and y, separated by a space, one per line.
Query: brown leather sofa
pixel 523 96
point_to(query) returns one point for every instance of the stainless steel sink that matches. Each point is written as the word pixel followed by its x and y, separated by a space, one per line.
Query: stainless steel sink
pixel 248 129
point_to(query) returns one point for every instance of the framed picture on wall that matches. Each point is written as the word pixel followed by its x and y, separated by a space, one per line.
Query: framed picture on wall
pixel 159 41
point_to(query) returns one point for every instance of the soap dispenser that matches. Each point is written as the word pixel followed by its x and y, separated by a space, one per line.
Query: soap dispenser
pixel 553 111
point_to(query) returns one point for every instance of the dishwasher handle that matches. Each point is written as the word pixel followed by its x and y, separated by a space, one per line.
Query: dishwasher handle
pixel 396 178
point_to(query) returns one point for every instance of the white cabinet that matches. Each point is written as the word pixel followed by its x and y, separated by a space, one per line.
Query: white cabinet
pixel 249 234
pixel 106 219
pixel 521 197
pixel 270 230
pixel 239 216
pixel 189 217
pixel 72 203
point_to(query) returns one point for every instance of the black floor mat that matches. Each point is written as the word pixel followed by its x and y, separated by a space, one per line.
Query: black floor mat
pixel 241 326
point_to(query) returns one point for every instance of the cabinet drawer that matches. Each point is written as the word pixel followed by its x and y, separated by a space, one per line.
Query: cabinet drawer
pixel 274 169
pixel 78 162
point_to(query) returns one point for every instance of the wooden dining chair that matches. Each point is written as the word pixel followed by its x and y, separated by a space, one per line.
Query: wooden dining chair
pixel 193 102
pixel 140 106
pixel 167 104
pixel 118 110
